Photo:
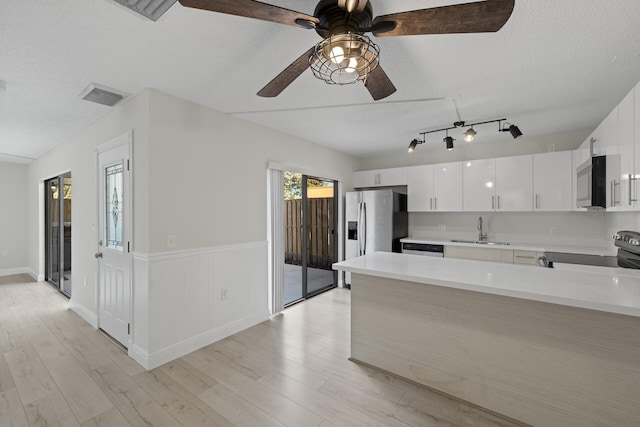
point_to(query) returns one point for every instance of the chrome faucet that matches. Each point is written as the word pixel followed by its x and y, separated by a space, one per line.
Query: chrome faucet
pixel 481 236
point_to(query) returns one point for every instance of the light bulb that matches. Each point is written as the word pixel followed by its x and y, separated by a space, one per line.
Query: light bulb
pixel 353 63
pixel 469 135
pixel 336 55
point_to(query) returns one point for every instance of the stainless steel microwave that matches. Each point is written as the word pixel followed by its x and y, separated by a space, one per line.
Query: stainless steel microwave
pixel 591 182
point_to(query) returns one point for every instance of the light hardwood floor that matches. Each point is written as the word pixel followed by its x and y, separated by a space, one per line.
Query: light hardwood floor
pixel 56 370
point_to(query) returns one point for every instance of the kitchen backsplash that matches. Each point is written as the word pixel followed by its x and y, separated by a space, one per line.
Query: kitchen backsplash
pixel 540 226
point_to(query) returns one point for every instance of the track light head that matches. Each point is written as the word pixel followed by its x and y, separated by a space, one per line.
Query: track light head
pixel 469 134
pixel 449 142
pixel 515 131
pixel 412 145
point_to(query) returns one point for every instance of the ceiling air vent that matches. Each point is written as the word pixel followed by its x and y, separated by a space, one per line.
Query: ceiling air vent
pixel 102 95
pixel 152 9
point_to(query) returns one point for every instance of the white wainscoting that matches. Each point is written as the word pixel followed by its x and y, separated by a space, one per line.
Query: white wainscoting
pixel 177 299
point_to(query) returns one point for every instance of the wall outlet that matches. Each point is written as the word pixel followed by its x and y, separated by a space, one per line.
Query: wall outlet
pixel 171 241
pixel 554 231
pixel 224 294
pixel 552 148
pixel 442 227
pixel 5 252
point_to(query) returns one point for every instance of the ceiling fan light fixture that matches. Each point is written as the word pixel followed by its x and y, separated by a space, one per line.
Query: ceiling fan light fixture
pixel 344 58
pixel 469 134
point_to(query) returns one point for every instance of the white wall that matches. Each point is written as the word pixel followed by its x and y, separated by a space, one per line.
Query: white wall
pixel 208 173
pixel 78 156
pixel 13 218
pixel 208 189
pixel 199 175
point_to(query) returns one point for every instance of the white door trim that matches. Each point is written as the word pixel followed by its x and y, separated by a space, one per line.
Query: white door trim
pixel 125 139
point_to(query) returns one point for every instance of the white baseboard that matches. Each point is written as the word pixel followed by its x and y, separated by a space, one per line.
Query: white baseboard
pixel 37 277
pixel 12 271
pixel 150 361
pixel 87 315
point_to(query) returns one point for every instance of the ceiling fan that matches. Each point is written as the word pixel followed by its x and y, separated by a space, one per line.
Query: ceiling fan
pixel 346 55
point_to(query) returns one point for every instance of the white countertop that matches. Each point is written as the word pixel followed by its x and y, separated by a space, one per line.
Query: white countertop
pixel 613 290
pixel 566 247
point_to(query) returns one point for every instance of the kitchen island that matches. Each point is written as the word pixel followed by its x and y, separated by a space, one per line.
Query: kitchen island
pixel 542 346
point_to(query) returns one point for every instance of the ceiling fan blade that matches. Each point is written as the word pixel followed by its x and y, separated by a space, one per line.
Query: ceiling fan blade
pixel 378 84
pixel 352 6
pixel 256 10
pixel 479 17
pixel 287 76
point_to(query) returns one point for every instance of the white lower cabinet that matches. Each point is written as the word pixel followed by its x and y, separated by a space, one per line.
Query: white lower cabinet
pixel 479 254
pixel 552 181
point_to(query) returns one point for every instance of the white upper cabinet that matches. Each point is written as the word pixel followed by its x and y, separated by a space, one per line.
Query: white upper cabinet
pixel 607 137
pixel 636 182
pixel 578 159
pixel 514 183
pixel 420 188
pixel 380 178
pixel 478 185
pixel 626 149
pixel 432 188
pixel 447 187
pixel 552 181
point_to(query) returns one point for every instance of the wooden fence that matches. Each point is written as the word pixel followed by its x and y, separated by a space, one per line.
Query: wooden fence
pixel 320 225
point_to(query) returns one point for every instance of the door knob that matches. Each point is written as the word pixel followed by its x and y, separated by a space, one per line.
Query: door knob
pixel 98 255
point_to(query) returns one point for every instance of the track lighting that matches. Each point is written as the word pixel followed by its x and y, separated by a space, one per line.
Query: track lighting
pixel 449 142
pixel 412 144
pixel 469 135
pixel 515 130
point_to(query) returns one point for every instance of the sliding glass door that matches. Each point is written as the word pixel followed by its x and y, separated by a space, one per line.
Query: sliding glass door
pixel 58 232
pixel 310 236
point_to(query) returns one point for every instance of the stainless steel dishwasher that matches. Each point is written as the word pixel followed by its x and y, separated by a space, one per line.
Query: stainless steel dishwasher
pixel 424 249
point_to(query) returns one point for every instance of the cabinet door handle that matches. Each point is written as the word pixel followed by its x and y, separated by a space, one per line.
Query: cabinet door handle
pixel 430 203
pixel 611 197
pixel 631 181
pixel 435 203
pixel 493 202
pixel 537 201
pixel 616 201
pixel 498 202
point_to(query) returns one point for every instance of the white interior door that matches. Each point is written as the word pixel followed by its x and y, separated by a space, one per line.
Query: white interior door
pixel 114 257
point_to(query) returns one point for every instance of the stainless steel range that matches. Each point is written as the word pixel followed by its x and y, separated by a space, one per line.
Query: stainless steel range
pixel 628 243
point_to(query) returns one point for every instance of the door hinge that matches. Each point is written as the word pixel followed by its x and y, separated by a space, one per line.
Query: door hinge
pixel 128 328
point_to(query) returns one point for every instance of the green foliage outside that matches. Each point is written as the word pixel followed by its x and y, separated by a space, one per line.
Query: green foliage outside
pixel 293 185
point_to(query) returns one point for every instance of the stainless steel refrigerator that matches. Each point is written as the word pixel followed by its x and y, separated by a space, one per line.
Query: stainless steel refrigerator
pixel 376 221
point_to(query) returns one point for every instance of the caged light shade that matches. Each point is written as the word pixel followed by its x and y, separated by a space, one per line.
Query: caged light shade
pixel 344 58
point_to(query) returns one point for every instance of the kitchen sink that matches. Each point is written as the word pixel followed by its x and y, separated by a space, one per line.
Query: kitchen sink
pixel 480 242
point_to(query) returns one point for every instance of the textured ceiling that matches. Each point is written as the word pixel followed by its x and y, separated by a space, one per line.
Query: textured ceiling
pixel 555 66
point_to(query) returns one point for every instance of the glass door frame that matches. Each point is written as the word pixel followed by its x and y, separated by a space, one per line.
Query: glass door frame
pixel 306 239
pixel 60 284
